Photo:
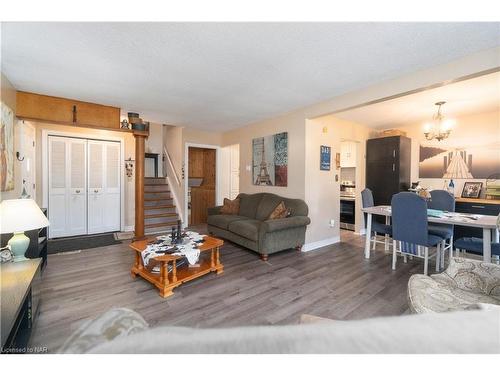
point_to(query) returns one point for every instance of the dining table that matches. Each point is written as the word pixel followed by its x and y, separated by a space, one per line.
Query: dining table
pixel 488 223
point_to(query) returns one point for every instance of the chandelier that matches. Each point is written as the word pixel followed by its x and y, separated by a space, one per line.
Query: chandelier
pixel 439 128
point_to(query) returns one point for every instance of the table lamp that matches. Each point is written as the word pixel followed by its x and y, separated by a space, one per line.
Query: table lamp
pixel 17 216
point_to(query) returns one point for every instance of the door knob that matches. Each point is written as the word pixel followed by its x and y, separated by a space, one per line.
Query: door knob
pixel 78 191
pixel 96 191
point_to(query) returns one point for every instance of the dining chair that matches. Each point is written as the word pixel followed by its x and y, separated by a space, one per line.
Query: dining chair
pixel 476 244
pixel 378 228
pixel 444 201
pixel 410 232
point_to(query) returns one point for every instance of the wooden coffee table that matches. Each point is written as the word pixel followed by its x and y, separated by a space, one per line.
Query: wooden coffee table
pixel 166 281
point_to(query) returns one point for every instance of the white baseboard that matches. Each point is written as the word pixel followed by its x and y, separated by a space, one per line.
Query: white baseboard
pixel 318 244
pixel 128 228
pixel 361 232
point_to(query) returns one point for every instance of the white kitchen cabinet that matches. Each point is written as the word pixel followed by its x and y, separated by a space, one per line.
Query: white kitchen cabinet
pixel 348 154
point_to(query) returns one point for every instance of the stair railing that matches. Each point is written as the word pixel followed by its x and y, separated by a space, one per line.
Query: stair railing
pixel 176 188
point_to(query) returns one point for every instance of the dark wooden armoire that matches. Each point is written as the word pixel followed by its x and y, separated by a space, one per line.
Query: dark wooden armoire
pixel 388 163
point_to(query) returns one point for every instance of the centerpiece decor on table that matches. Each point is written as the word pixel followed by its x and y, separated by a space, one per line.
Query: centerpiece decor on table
pixel 183 244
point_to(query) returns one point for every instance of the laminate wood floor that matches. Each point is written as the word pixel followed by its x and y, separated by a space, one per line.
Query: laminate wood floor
pixel 334 282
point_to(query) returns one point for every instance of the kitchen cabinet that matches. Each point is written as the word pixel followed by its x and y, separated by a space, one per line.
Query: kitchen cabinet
pixel 348 154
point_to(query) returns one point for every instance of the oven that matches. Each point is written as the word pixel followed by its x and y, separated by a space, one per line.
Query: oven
pixel 347 212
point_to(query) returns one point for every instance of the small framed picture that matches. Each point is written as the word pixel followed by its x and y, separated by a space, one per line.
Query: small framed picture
pixel 472 189
pixel 325 158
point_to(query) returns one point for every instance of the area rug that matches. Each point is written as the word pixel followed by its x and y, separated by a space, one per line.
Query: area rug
pixel 120 236
pixel 81 243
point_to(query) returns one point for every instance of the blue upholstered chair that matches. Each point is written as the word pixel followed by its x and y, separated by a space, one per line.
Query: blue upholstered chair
pixel 444 201
pixel 377 226
pixel 476 244
pixel 410 232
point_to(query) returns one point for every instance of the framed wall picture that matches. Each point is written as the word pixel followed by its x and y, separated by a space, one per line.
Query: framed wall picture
pixel 6 148
pixel 325 158
pixel 270 160
pixel 472 189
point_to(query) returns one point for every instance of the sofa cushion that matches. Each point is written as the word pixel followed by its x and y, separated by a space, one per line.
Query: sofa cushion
pixel 279 212
pixel 246 228
pixel 223 221
pixel 249 204
pixel 267 205
pixel 230 207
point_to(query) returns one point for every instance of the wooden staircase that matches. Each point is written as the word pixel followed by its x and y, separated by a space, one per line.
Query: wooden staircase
pixel 159 209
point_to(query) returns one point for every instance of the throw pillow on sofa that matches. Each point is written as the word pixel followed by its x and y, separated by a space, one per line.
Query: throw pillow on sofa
pixel 279 212
pixel 230 207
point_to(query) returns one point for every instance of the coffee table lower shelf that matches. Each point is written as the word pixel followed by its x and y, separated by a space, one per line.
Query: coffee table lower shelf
pixel 166 281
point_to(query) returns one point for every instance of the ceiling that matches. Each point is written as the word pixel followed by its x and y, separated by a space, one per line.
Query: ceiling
pixel 225 75
pixel 462 98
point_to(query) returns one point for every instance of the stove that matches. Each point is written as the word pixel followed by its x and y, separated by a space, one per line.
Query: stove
pixel 347 204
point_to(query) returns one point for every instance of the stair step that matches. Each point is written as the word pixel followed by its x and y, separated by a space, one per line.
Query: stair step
pixel 157 199
pixel 151 216
pixel 165 224
pixel 153 184
pixel 157 207
pixel 155 181
pixel 156 191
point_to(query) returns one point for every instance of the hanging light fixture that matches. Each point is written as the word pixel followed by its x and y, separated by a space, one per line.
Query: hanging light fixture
pixel 439 128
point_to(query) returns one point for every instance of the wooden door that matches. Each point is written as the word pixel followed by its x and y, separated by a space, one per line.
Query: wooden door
pixel 201 164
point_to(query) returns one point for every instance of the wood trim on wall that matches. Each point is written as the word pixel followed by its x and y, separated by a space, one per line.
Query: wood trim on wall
pixel 63 111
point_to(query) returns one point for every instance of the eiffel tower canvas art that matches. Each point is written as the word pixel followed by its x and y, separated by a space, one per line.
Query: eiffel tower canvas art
pixel 270 160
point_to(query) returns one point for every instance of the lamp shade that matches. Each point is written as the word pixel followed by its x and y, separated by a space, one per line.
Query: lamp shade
pixel 19 215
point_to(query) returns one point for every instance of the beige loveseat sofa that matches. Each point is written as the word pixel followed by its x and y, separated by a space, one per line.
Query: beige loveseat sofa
pixel 124 331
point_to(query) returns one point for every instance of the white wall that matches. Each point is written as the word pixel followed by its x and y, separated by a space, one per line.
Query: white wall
pixel 322 190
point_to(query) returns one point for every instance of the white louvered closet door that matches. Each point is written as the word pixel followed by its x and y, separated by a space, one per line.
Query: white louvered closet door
pixel 77 199
pixel 57 187
pixel 67 187
pixel 112 186
pixel 103 186
pixel 96 187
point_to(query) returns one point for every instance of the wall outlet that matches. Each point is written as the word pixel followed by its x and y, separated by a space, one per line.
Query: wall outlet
pixel 332 223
